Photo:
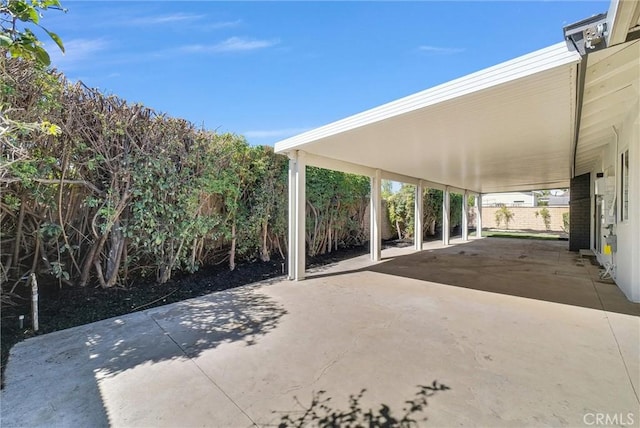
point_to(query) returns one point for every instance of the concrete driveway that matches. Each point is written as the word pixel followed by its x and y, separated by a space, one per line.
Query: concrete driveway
pixel 520 331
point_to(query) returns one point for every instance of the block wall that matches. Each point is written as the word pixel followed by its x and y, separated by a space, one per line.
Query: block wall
pixel 524 218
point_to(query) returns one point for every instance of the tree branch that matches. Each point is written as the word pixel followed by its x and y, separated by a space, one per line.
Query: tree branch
pixel 84 183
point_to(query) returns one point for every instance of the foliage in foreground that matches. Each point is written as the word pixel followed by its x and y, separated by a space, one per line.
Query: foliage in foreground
pixel 402 211
pixel 17 39
pixel 96 190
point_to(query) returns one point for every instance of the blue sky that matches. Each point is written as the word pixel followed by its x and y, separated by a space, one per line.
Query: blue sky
pixel 269 70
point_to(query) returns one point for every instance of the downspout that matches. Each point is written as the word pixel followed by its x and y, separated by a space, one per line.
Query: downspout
pixel 580 83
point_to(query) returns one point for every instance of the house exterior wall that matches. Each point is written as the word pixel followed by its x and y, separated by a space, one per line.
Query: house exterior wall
pixel 558 200
pixel 581 215
pixel 524 218
pixel 626 257
pixel 510 199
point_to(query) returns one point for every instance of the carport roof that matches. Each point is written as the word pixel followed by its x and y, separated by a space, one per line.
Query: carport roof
pixel 508 127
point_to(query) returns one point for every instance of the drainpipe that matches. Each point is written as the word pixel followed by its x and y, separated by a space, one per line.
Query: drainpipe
pixel 582 71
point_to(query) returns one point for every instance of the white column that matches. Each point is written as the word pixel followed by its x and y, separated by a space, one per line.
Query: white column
pixel 291 245
pixel 418 214
pixel 445 216
pixel 478 216
pixel 301 205
pixel 465 219
pixel 376 219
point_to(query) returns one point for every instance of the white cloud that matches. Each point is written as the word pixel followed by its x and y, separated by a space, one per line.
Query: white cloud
pixel 274 133
pixel 77 51
pixel 222 24
pixel 438 50
pixel 232 44
pixel 164 19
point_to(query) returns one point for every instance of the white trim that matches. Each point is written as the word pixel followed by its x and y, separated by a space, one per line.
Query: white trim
pixel 338 165
pixel 620 18
pixel 301 206
pixel 478 216
pixel 417 229
pixel 352 168
pixel 291 245
pixel 375 224
pixel 544 59
pixel 465 218
pixel 446 216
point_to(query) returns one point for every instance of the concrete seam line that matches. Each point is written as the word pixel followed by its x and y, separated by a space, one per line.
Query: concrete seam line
pixel 202 371
pixel 615 338
pixel 626 368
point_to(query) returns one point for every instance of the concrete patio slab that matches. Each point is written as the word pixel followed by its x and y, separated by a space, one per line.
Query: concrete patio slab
pixel 521 331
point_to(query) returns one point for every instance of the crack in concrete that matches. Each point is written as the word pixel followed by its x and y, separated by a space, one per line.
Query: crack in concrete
pixel 328 366
pixel 354 343
pixel 213 382
pixel 615 338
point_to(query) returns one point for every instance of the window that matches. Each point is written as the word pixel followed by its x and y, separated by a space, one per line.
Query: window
pixel 624 186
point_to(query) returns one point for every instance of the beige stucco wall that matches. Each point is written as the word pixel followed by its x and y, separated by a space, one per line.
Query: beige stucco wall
pixel 524 218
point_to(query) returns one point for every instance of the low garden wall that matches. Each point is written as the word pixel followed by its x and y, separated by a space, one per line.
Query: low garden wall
pixel 526 218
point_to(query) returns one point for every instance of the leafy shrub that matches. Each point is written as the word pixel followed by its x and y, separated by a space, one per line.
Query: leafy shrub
pixel 504 214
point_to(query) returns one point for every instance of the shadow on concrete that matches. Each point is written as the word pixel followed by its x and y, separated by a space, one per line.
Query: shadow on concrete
pixel 196 325
pixel 541 270
pixel 322 413
pixel 45 376
pixel 75 362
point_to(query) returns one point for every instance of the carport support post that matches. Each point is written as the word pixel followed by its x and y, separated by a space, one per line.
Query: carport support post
pixel 376 218
pixel 465 219
pixel 417 238
pixel 301 206
pixel 445 215
pixel 291 245
pixel 478 216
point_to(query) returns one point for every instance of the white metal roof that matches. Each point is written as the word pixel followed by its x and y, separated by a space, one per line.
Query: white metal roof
pixel 508 127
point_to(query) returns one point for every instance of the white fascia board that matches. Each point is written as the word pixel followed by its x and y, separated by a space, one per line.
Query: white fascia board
pixel 526 65
pixel 352 168
pixel 457 190
pixel 620 17
pixel 558 184
pixel 400 178
pixel 338 165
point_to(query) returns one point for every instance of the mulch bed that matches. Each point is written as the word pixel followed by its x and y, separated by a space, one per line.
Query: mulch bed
pixel 61 308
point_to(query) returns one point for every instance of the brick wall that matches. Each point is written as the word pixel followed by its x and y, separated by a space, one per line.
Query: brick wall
pixel 524 218
pixel 579 235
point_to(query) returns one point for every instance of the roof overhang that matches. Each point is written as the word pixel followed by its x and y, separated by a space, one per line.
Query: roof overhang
pixel 611 93
pixel 623 21
pixel 611 86
pixel 508 127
